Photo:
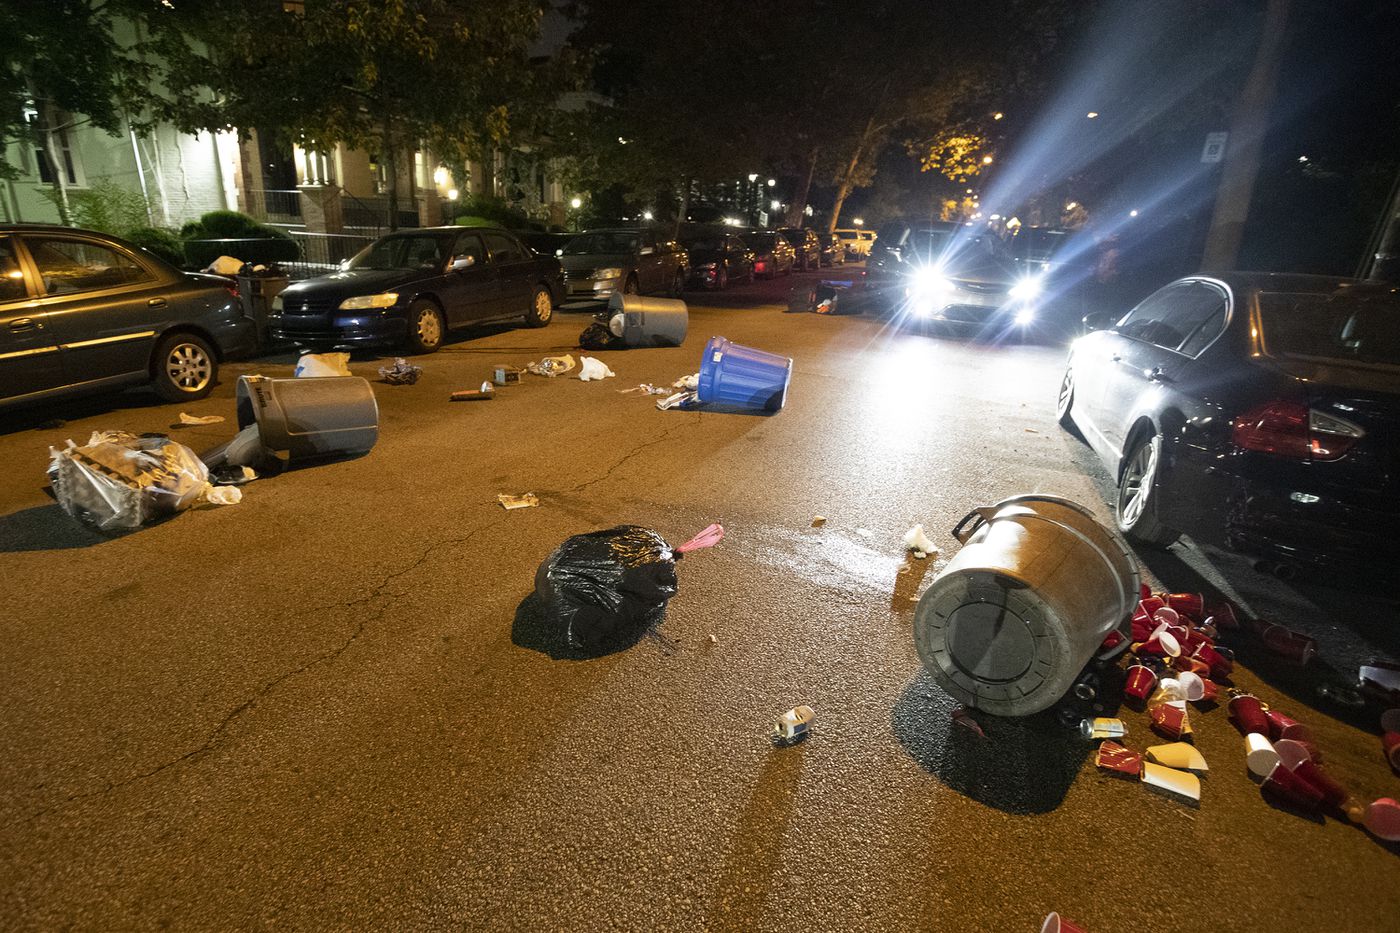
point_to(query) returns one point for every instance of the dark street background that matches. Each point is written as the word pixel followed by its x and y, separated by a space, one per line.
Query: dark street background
pixel 331 706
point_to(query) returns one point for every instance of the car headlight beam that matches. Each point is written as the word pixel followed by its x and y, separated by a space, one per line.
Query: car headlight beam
pixel 929 281
pixel 1026 289
pixel 366 302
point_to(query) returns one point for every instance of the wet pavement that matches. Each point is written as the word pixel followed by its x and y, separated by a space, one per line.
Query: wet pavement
pixel 333 707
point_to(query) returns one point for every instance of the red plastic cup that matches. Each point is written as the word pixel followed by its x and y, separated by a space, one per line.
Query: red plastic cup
pixel 1286 727
pixel 1288 787
pixel 1162 644
pixel 1212 691
pixel 1167 616
pixel 1333 793
pixel 1295 750
pixel 1170 720
pixel 1223 614
pixel 1142 680
pixel 1390 741
pixel 1111 641
pixel 1219 664
pixel 1144 591
pixel 1188 604
pixel 1383 819
pixel 1195 665
pixel 1150 604
pixel 1248 714
pixel 1295 646
pixel 1054 923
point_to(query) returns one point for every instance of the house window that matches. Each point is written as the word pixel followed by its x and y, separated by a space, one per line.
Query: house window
pixel 41 155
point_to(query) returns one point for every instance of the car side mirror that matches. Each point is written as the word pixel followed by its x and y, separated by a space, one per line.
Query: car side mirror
pixel 646 251
pixel 1098 320
pixel 461 263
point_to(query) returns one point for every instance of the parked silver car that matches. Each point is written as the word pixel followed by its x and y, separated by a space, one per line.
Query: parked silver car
pixel 631 260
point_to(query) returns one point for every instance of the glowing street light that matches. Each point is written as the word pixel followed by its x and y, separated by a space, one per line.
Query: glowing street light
pixel 1133 212
pixel 1302 158
pixel 646 215
pixel 986 160
pixel 576 203
pixel 452 194
pixel 1092 114
pixel 998 115
pixel 969 190
pixel 1071 205
pixel 772 182
pixel 859 221
pixel 440 175
pixel 775 204
pixel 753 177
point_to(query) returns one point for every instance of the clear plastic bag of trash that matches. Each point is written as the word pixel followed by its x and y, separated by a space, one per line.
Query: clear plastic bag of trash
pixel 402 373
pixel 551 366
pixel 591 368
pixel 118 481
pixel 323 364
pixel 605 585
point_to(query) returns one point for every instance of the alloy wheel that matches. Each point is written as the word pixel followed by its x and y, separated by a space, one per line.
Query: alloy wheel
pixel 1138 476
pixel 189 367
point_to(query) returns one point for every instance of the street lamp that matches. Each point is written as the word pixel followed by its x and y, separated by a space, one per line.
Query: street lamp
pixel 775 204
pixel 753 177
pixel 772 182
pixel 986 160
pixel 576 203
pixel 452 194
pixel 859 221
pixel 646 215
pixel 1092 114
pixel 998 115
pixel 1132 213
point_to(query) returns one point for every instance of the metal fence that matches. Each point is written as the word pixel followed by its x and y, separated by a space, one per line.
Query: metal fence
pixel 372 213
pixel 273 205
pixel 322 252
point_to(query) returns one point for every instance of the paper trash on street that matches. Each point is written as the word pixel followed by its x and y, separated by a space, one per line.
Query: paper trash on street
pixel 200 419
pixel 526 500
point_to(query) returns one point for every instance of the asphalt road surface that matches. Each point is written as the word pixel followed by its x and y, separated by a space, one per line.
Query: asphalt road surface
pixel 332 706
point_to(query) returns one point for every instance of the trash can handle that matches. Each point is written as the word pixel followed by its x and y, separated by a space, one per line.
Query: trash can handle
pixel 983 514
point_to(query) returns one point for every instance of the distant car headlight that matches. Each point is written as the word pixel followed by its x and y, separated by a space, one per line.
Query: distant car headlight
pixel 708 266
pixel 277 303
pixel 365 302
pixel 1025 316
pixel 1026 289
pixel 928 281
pixel 613 273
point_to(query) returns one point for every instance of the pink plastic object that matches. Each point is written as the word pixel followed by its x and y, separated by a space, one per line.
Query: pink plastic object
pixel 707 538
pixel 1383 819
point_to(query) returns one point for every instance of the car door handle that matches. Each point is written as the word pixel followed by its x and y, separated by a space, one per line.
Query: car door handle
pixel 25 323
pixel 1155 374
pixel 156 303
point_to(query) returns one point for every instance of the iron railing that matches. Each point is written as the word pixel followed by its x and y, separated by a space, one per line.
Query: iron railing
pixel 322 252
pixel 274 205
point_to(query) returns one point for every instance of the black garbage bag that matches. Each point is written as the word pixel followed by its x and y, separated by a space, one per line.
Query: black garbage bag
pixel 597 336
pixel 610 584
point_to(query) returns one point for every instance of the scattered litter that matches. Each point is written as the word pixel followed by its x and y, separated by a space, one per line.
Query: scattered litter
pixel 230 474
pixel 402 373
pixel 591 368
pixel 223 495
pixel 1054 923
pixel 1390 742
pixel 681 400
pixel 200 419
pixel 1102 728
pixel 963 719
pixel 609 583
pixel 646 388
pixel 713 640
pixel 526 500
pixel 793 725
pixel 1260 757
pixel 818 521
pixel 1181 783
pixel 1287 786
pixel 1382 819
pixel 915 540
pixel 503 375
pixel 1031 431
pixel 691 382
pixel 865 533
pixel 1170 719
pixel 322 364
pixel 552 366
pixel 485 393
pixel 225 265
pixel 1118 758
pixel 118 481
pixel 598 336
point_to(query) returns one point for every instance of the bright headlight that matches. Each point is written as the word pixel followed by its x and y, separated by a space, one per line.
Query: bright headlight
pixel 1026 288
pixel 608 274
pixel 1025 316
pixel 929 281
pixel 365 302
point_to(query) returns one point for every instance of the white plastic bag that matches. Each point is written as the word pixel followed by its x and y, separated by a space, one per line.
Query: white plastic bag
pixel 323 364
pixel 117 481
pixel 592 368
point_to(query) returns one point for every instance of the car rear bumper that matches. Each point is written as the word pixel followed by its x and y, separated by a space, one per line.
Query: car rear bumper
pixel 237 339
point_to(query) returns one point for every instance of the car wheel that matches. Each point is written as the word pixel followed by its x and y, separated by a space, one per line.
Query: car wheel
pixel 630 286
pixel 1136 513
pixel 1065 401
pixel 184 368
pixel 541 308
pixel 426 327
pixel 721 279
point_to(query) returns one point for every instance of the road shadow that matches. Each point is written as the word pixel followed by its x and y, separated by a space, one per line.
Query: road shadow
pixel 535 629
pixel 908 578
pixel 44 528
pixel 1024 766
pixel 55 413
pixel 746 880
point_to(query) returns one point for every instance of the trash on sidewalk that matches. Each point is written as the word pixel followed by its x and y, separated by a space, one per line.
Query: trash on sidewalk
pixel 681 400
pixel 742 377
pixel 1102 727
pixel 964 721
pixel 293 421
pixel 1182 783
pixel 824 297
pixel 591 368
pixel 646 388
pixel 1382 819
pixel 229 474
pixel 1054 923
pixel 189 420
pixel 1118 758
pixel 818 521
pixel 691 382
pixel 402 373
pixel 552 366
pixel 483 394
pixel 915 540
pixel 504 375
pixel 527 500
pixel 1260 756
pixel 793 725
pixel 611 583
pixel 322 364
pixel 1170 719
pixel 597 336
pixel 119 482
pixel 224 265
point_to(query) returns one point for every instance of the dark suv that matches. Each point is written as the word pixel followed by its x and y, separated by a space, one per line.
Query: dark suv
pixel 83 312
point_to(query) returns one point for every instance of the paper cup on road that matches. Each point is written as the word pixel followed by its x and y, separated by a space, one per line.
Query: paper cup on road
pixel 1223 615
pixel 1162 643
pixel 1170 719
pixel 1140 683
pixel 1333 793
pixel 1180 755
pixel 1382 819
pixel 1390 741
pixel 1054 923
pixel 1193 687
pixel 1259 755
pixel 1287 787
pixel 1286 727
pixel 1166 616
pixel 1194 665
pixel 1295 646
pixel 1247 713
pixel 1291 752
pixel 1187 604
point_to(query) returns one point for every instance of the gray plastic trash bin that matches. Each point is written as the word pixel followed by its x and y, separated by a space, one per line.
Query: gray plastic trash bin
pixel 286 421
pixel 649 322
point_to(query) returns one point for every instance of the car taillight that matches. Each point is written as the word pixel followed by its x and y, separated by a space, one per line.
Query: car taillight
pixel 232 289
pixel 1292 429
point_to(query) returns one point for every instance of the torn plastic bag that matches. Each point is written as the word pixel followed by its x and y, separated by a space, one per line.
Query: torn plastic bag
pixel 597 336
pixel 118 481
pixel 608 584
pixel 322 364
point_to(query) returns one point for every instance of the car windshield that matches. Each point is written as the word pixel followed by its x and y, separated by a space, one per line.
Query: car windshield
pixel 795 237
pixel 402 252
pixel 703 245
pixel 1328 327
pixel 604 242
pixel 761 241
pixel 1038 245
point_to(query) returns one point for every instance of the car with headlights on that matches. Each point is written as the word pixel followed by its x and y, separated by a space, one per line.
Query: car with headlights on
pixel 1257 411
pixel 83 312
pixel 951 274
pixel 718 259
pixel 630 260
pixel 408 289
pixel 772 254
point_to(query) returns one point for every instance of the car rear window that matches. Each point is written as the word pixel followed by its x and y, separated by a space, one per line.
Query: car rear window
pixel 1332 327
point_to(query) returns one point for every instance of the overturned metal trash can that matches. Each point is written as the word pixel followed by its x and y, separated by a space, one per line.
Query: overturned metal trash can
pixel 285 422
pixel 1025 605
pixel 648 322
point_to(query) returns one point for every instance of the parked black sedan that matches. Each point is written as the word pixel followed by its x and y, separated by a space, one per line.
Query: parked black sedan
pixel 409 288
pixel 1258 411
pixel 772 255
pixel 805 244
pixel 83 312
pixel 718 259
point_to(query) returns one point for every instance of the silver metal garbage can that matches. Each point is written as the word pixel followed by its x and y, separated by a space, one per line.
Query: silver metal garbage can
pixel 648 322
pixel 1024 606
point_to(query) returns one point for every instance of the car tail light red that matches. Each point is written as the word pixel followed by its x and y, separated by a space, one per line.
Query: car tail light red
pixel 1289 428
pixel 232 289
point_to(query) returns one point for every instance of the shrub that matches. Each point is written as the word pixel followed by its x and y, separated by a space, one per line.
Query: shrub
pixel 229 225
pixel 104 206
pixel 163 243
pixel 483 210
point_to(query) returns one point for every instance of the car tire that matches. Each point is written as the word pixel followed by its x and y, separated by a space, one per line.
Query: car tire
pixel 721 279
pixel 184 368
pixel 1064 402
pixel 1135 512
pixel 541 308
pixel 426 327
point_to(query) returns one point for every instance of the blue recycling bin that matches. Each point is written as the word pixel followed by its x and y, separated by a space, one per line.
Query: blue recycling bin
pixel 742 377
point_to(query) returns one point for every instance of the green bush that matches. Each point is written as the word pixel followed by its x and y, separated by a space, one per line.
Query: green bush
pixel 229 225
pixel 104 206
pixel 478 210
pixel 165 244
